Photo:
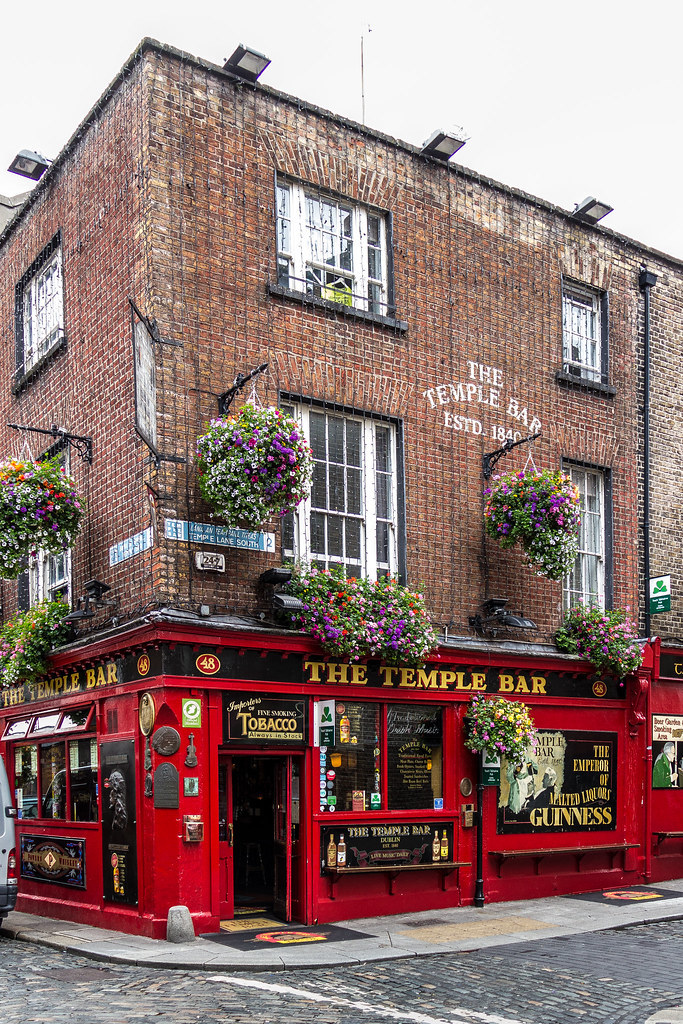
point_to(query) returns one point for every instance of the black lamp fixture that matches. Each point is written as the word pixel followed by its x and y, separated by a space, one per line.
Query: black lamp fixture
pixel 277 577
pixel 247 63
pixel 443 145
pixel 591 210
pixel 496 617
pixel 29 164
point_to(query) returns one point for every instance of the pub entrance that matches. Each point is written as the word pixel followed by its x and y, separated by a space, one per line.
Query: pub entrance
pixel 260 836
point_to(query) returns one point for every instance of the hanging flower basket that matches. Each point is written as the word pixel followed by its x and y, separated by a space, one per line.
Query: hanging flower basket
pixel 500 727
pixel 27 639
pixel 605 638
pixel 356 618
pixel 39 508
pixel 540 510
pixel 254 466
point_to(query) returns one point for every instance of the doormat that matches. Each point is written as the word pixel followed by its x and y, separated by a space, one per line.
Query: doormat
pixel 291 935
pixel 628 894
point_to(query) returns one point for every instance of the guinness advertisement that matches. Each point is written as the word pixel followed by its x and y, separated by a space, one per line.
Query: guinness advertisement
pixel 386 845
pixel 119 849
pixel 250 720
pixel 567 783
pixel 53 859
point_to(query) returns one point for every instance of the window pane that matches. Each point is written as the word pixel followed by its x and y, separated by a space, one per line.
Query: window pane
pixel 382 543
pixel 53 780
pixel 353 549
pixel 353 491
pixel 319 486
pixel 317 429
pixel 83 779
pixel 373 229
pixel 318 533
pixel 355 757
pixel 354 433
pixel 46 723
pixel 337 495
pixel 335 429
pixel 15 729
pixel 26 781
pixel 414 756
pixel 335 536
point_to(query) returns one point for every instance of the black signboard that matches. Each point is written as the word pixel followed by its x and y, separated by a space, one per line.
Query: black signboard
pixel 671 665
pixel 166 786
pixel 567 783
pixel 251 720
pixel 119 847
pixel 53 859
pixel 388 844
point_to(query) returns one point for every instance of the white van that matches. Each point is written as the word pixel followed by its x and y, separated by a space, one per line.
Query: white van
pixel 8 853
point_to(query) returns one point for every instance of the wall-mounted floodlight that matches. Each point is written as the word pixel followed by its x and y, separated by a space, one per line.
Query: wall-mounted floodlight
pixel 591 210
pixel 247 63
pixel 443 145
pixel 29 164
pixel 496 616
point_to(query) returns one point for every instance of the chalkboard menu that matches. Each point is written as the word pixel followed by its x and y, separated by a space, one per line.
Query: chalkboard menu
pixel 414 756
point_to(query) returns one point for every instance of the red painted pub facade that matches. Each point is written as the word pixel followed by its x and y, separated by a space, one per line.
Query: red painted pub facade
pixel 247 767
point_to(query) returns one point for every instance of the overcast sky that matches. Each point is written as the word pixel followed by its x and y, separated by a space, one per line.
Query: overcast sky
pixel 561 99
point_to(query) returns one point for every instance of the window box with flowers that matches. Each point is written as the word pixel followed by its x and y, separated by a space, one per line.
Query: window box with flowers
pixel 540 510
pixel 605 638
pixel 253 466
pixel 27 639
pixel 39 509
pixel 359 618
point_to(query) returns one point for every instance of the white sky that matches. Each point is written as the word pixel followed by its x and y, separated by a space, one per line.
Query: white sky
pixel 560 98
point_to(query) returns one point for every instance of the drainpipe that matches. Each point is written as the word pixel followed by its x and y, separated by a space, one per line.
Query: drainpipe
pixel 646 281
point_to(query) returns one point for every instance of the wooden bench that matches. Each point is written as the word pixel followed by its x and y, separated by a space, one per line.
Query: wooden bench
pixel 661 836
pixel 559 851
pixel 446 868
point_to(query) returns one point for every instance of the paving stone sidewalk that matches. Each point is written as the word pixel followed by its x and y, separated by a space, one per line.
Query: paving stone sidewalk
pixel 458 929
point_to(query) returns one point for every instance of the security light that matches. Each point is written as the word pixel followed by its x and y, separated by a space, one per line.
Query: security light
pixel 591 210
pixel 247 63
pixel 29 164
pixel 286 603
pixel 495 616
pixel 443 145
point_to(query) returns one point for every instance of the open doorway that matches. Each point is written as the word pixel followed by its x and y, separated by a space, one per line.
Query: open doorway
pixel 253 816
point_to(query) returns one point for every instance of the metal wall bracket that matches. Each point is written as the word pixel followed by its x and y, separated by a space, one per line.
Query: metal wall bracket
pixel 492 458
pixel 225 400
pixel 82 445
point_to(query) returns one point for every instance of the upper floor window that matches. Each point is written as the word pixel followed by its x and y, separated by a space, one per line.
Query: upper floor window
pixel 332 248
pixel 351 517
pixel 40 308
pixel 584 332
pixel 50 574
pixel 586 582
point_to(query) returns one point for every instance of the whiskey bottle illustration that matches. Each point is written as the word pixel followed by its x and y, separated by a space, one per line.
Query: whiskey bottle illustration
pixel 341 852
pixel 436 846
pixel 344 730
pixel 331 853
pixel 444 846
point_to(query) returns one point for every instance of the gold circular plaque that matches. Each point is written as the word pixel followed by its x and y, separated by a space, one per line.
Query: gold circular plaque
pixel 146 714
pixel 465 786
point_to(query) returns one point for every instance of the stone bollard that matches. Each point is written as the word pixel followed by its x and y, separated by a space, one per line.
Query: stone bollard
pixel 179 927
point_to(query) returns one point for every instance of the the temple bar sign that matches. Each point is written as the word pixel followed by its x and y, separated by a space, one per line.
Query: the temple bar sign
pixel 462 679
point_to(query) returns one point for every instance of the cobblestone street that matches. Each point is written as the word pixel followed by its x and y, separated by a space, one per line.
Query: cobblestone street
pixel 622 976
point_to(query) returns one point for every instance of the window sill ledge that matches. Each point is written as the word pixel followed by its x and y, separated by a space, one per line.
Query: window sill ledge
pixel 348 312
pixel 569 380
pixel 21 379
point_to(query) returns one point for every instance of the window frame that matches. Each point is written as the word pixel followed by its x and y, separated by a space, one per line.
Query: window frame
pixel 300 521
pixel 29 358
pixel 575 293
pixel 294 256
pixel 41 564
pixel 605 560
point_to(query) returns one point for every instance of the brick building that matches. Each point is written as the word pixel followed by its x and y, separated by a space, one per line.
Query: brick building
pixel 196 226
